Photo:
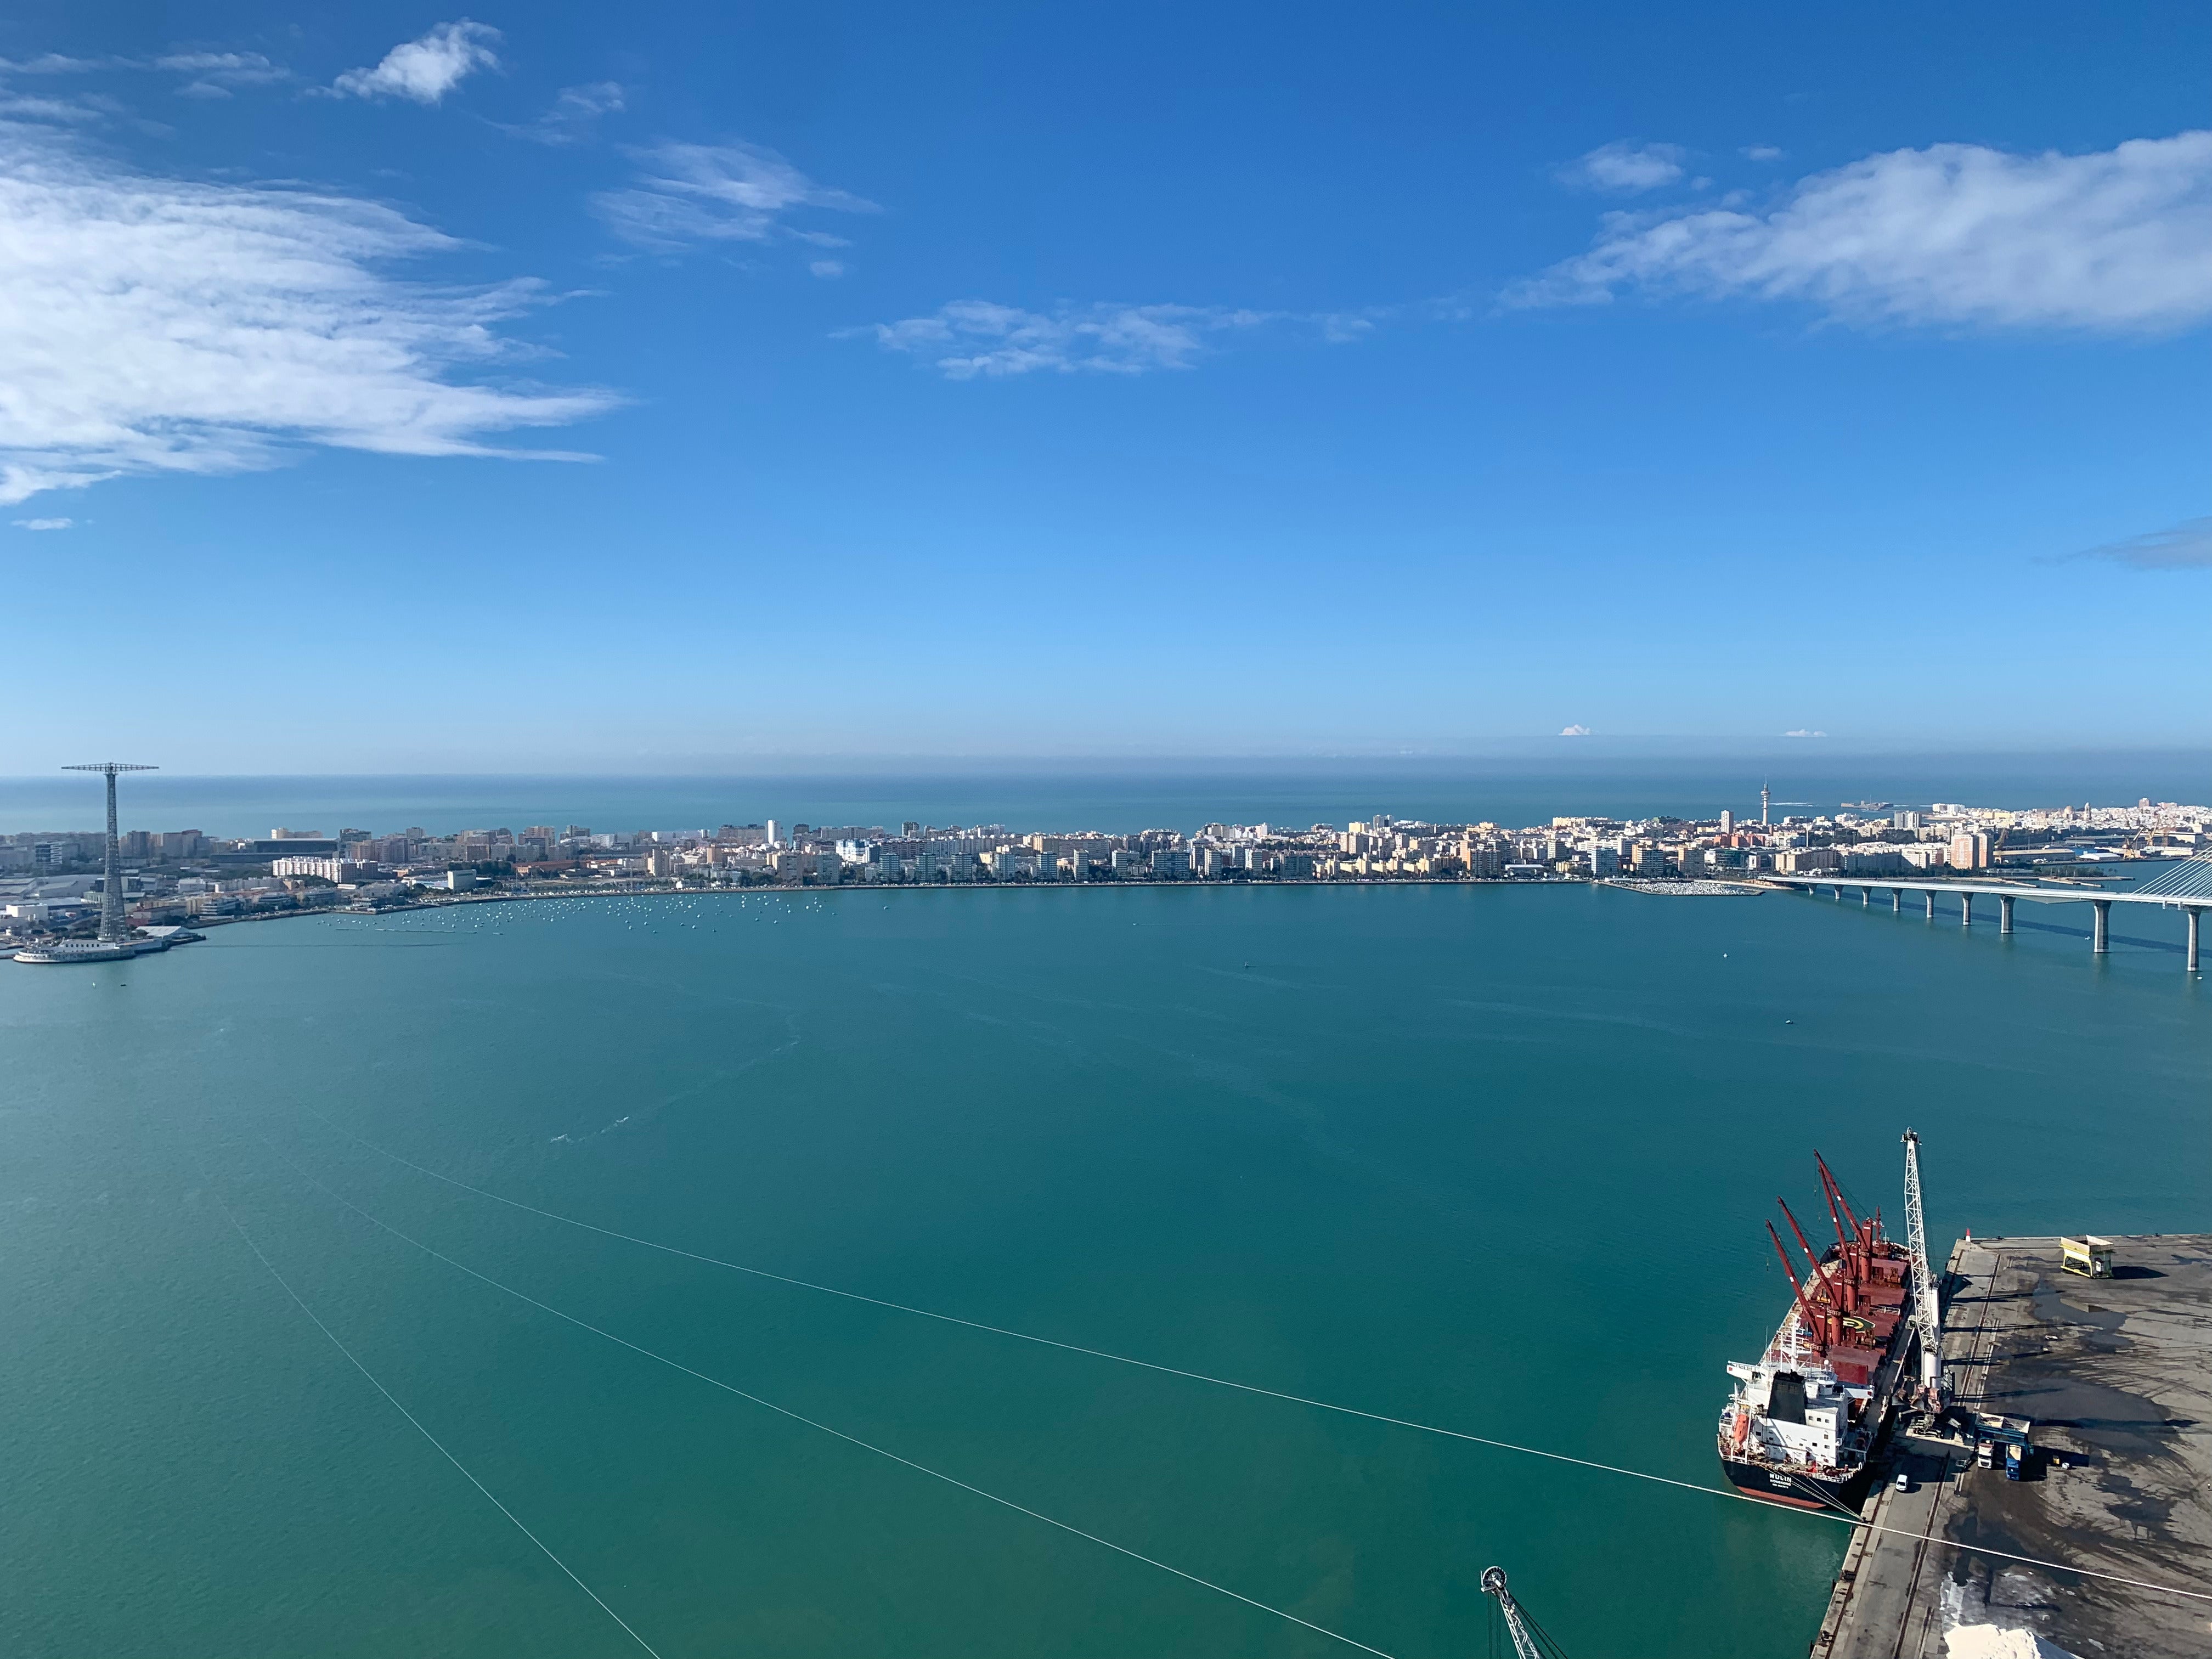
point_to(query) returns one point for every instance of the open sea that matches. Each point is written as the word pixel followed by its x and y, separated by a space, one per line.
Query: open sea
pixel 1490 1157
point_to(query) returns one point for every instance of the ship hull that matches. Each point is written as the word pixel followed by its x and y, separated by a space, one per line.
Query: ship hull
pixel 1796 1490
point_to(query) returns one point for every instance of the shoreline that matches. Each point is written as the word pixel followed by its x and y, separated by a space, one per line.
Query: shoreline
pixel 719 890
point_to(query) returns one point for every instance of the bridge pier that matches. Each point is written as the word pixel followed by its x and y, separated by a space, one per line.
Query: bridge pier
pixel 1966 910
pixel 1897 900
pixel 2100 939
pixel 1866 896
pixel 2005 902
pixel 2196 916
pixel 1931 904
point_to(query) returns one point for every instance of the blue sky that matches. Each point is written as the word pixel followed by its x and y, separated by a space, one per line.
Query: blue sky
pixel 676 387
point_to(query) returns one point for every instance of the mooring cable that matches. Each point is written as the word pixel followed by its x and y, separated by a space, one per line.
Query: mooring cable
pixel 851 1439
pixel 1845 1517
pixel 355 1359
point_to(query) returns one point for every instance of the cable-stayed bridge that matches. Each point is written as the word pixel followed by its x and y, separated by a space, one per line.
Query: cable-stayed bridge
pixel 2186 887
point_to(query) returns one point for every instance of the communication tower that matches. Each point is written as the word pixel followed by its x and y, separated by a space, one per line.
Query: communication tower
pixel 111 930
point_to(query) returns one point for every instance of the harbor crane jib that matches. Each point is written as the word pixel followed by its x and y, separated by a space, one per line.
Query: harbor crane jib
pixel 1927 1311
pixel 1516 1622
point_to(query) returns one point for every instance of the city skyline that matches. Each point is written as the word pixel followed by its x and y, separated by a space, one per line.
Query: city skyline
pixel 552 392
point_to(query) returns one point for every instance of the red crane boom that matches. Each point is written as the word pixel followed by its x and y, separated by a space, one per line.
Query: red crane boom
pixel 1840 1298
pixel 1815 1327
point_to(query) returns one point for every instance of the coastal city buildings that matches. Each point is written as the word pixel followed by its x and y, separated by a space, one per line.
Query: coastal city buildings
pixel 52 884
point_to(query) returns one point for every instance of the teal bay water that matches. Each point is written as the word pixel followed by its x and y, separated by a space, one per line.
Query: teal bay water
pixel 1493 1158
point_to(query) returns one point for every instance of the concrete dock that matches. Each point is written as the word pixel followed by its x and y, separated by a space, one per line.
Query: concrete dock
pixel 2117 1376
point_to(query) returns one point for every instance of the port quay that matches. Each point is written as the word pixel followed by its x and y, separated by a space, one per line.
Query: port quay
pixel 2103 1381
pixel 82 896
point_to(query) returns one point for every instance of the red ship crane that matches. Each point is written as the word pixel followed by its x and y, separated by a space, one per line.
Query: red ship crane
pixel 1828 1191
pixel 1866 1233
pixel 1815 1326
pixel 1845 1297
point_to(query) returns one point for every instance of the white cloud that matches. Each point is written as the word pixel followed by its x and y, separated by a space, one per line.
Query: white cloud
pixel 55 63
pixel 49 109
pixel 1762 153
pixel 1955 233
pixel 151 325
pixel 2184 546
pixel 1575 732
pixel 718 192
pixel 425 70
pixel 43 524
pixel 828 267
pixel 575 113
pixel 1625 167
pixel 970 338
pixel 1801 733
pixel 214 74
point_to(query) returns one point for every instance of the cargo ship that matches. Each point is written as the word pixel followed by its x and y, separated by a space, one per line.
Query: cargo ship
pixel 1801 1424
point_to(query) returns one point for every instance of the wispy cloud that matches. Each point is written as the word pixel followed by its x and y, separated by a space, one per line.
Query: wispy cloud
pixel 2184 546
pixel 55 63
pixel 216 74
pixel 1575 732
pixel 69 110
pixel 1802 732
pixel 971 340
pixel 424 70
pixel 692 193
pixel 1625 166
pixel 1956 234
pixel 574 115
pixel 207 75
pixel 43 524
pixel 151 325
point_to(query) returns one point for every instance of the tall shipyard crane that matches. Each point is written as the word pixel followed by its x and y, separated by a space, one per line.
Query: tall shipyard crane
pixel 1926 1313
pixel 1523 1629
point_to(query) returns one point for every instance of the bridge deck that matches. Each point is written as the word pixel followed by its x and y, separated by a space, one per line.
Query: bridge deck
pixel 1995 889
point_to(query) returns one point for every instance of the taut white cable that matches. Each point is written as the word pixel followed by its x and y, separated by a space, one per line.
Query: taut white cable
pixel 851 1439
pixel 417 1423
pixel 1219 1382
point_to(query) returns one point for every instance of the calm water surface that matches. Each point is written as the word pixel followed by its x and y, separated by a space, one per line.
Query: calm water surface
pixel 1489 1157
